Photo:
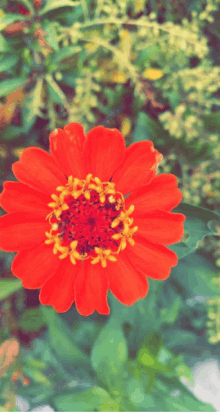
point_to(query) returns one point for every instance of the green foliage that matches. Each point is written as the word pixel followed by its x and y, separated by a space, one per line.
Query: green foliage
pixel 196 226
pixel 84 61
pixel 196 276
pixel 32 320
pixel 61 338
pixel 109 354
pixel 8 287
pixel 10 85
pixel 57 4
pixel 92 399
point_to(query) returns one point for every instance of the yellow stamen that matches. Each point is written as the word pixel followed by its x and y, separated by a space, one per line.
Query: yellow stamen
pixel 106 192
pixel 103 255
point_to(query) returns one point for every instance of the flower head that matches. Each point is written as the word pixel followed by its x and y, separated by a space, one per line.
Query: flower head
pixel 89 217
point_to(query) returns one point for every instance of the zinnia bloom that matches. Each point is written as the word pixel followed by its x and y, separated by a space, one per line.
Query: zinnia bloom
pixel 76 231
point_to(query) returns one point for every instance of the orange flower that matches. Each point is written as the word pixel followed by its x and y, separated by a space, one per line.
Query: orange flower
pixel 76 232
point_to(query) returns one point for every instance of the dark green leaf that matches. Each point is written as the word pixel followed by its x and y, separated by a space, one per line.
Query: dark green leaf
pixel 212 122
pixel 178 338
pixel 7 62
pixel 32 320
pixel 3 44
pixel 148 129
pixel 196 227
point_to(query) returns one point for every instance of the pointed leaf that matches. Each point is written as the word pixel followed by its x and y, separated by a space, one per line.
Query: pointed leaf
pixel 57 4
pixel 8 86
pixel 61 337
pixel 196 274
pixel 196 227
pixel 109 353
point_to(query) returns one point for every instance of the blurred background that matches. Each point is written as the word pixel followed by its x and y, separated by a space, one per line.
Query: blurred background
pixel 150 68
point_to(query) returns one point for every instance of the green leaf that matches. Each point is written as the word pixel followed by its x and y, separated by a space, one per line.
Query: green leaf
pixel 141 130
pixel 174 99
pixel 8 86
pixel 170 314
pixel 196 226
pixel 32 320
pixel 64 53
pixel 148 129
pixel 36 375
pixel 183 371
pixel 57 4
pixel 55 91
pixel 179 338
pixel 137 396
pixel 109 352
pixel 8 287
pixel 89 400
pixel 152 343
pixel 184 400
pixel 196 275
pixel 212 122
pixel 61 337
pixel 50 28
pixel 141 317
pixel 186 403
pixel 7 62
pixel 11 132
pixel 3 44
pixel 11 18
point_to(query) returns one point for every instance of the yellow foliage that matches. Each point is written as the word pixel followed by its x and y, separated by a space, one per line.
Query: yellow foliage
pixel 138 5
pixel 125 126
pixel 18 151
pixel 119 77
pixel 1 14
pixel 126 42
pixel 152 74
pixel 3 152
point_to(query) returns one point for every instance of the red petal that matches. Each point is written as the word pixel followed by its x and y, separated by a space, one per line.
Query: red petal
pixel 35 266
pixel 138 168
pixel 59 289
pixel 125 282
pixel 103 151
pixel 38 169
pixel 19 197
pixel 163 228
pixel 161 194
pixel 66 148
pixel 154 261
pixel 76 134
pixel 20 230
pixel 91 287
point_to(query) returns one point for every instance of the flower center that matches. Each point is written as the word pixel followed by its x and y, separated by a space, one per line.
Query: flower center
pixel 89 220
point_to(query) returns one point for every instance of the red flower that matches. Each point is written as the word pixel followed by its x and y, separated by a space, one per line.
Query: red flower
pixel 76 233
